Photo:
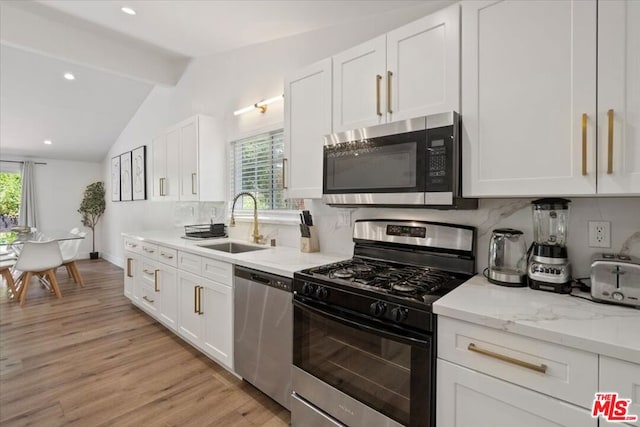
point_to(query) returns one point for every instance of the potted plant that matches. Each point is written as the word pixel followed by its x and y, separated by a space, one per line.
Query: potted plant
pixel 91 209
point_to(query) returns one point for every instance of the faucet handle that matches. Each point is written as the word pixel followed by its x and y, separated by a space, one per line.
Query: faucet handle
pixel 259 239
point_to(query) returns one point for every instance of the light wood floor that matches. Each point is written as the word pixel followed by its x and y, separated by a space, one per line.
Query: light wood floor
pixel 93 359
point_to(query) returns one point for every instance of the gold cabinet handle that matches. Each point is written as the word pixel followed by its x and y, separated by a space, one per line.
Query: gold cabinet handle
pixel 538 368
pixel 148 250
pixel 147 299
pixel 195 299
pixel 200 300
pixel 584 144
pixel 155 280
pixel 129 268
pixel 389 75
pixel 149 272
pixel 378 79
pixel 166 256
pixel 284 173
pixel 131 245
pixel 610 143
pixel 193 187
pixel 162 192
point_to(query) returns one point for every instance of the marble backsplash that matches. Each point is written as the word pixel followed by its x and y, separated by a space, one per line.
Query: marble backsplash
pixel 335 225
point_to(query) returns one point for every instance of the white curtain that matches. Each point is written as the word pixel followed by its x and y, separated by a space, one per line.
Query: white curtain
pixel 28 200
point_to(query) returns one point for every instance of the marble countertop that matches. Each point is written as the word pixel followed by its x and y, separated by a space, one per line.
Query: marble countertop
pixel 280 260
pixel 599 328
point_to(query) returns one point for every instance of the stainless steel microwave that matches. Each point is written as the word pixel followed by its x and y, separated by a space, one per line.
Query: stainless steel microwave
pixel 413 163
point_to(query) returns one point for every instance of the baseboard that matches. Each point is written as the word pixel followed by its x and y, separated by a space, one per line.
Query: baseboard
pixel 113 259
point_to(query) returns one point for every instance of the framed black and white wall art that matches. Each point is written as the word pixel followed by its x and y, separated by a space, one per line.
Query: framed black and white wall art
pixel 115 179
pixel 126 191
pixel 139 173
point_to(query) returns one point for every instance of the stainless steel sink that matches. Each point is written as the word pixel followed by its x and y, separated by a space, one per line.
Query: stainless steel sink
pixel 232 248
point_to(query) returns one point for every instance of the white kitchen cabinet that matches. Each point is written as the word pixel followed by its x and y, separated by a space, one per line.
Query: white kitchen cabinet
pixel 166 166
pixel 409 72
pixel 529 107
pixel 205 316
pixel 618 91
pixel 468 398
pixel 189 162
pixel 307 118
pixel 623 378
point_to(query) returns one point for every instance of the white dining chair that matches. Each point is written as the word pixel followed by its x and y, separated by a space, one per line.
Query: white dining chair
pixel 69 250
pixel 38 259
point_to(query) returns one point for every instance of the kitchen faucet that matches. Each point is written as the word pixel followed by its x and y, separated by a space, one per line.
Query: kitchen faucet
pixel 257 237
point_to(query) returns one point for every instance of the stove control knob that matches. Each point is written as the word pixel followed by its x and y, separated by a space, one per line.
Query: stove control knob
pixel 399 314
pixel 618 296
pixel 322 292
pixel 307 289
pixel 378 308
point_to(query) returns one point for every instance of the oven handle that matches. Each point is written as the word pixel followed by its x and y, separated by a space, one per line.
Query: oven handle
pixel 363 327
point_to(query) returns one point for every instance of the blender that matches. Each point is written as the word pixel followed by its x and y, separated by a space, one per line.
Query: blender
pixel 507 258
pixel 549 268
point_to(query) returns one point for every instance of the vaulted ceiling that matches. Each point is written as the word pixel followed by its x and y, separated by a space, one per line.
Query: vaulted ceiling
pixel 117 59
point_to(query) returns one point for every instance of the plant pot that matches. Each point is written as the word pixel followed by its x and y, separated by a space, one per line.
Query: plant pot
pixel 94 255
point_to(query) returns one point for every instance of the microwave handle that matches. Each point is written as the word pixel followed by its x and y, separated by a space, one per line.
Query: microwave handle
pixel 421 342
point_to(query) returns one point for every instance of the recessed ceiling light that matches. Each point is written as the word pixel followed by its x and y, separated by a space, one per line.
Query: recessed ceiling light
pixel 48 142
pixel 69 76
pixel 128 11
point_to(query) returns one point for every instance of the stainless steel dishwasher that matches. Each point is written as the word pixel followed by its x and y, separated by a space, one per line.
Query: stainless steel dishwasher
pixel 263 332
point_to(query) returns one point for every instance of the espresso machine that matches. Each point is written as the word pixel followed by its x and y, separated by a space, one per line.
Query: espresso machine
pixel 549 268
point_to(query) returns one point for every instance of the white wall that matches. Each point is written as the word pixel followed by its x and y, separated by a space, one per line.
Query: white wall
pixel 60 185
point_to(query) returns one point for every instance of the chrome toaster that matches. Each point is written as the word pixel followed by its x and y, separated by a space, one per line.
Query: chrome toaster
pixel 615 278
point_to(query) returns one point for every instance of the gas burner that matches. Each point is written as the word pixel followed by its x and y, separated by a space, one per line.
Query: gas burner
pixel 404 288
pixel 343 273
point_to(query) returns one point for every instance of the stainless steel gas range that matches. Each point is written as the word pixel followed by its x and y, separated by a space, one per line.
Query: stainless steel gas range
pixel 364 333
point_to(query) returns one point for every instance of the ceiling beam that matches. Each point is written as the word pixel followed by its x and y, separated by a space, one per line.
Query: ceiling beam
pixel 36 28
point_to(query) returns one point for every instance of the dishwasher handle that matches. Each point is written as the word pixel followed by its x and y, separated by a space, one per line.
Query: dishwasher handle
pixel 257 278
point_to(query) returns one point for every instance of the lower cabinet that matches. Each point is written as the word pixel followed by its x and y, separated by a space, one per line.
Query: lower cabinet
pixel 468 398
pixel 206 316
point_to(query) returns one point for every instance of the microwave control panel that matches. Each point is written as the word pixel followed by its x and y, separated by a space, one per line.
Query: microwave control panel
pixel 439 159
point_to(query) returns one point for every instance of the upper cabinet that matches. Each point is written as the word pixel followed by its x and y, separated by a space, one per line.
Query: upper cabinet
pixel 307 118
pixel 189 162
pixel 618 97
pixel 409 72
pixel 529 107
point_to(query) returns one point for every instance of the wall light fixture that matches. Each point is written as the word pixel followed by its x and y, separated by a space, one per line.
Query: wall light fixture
pixel 260 105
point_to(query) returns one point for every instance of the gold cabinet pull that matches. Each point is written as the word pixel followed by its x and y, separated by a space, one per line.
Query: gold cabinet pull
pixel 147 299
pixel 538 368
pixel 584 143
pixel 389 75
pixel 155 280
pixel 195 299
pixel 200 300
pixel 166 256
pixel 162 181
pixel 149 272
pixel 284 173
pixel 610 143
pixel 148 250
pixel 129 268
pixel 193 186
pixel 378 79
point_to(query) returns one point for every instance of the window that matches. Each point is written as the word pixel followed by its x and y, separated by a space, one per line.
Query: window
pixel 256 167
pixel 10 194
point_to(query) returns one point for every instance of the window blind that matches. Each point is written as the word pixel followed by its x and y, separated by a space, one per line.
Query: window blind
pixel 256 167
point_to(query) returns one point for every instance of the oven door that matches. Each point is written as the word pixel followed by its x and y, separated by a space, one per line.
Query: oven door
pixel 388 372
pixel 375 170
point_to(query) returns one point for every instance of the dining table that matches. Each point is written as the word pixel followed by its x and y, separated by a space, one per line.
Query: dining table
pixel 10 241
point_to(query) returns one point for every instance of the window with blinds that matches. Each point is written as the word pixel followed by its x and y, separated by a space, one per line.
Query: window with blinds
pixel 256 167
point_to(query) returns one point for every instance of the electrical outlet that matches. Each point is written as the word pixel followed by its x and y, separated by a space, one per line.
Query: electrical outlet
pixel 599 234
